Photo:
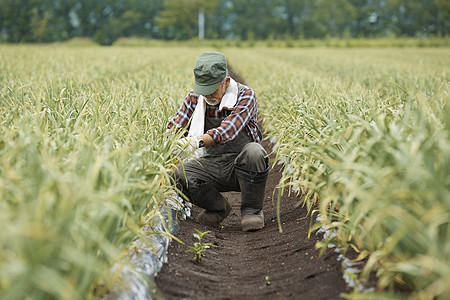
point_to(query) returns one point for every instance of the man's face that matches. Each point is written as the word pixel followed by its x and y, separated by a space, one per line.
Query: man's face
pixel 216 97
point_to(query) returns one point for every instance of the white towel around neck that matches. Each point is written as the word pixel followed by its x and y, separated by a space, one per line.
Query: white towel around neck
pixel 198 118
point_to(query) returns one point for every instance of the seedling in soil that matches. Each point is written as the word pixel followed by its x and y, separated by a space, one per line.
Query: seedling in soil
pixel 199 248
pixel 267 280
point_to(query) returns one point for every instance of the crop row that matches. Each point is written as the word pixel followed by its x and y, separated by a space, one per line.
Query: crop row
pixel 364 136
pixel 84 161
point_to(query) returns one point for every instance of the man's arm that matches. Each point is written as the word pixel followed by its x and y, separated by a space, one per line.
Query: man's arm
pixel 181 118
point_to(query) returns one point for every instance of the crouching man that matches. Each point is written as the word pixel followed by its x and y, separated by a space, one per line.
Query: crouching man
pixel 222 118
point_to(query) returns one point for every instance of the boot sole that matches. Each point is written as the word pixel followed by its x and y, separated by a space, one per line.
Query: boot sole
pixel 252 222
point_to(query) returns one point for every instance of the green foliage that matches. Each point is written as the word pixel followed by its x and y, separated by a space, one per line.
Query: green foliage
pixel 39 25
pixel 85 161
pixel 364 137
pixel 183 14
pixel 287 42
pixel 49 21
pixel 107 20
pixel 199 248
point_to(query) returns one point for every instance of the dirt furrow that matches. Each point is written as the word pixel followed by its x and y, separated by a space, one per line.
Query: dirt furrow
pixel 265 264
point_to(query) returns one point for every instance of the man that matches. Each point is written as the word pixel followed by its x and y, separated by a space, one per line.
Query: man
pixel 222 118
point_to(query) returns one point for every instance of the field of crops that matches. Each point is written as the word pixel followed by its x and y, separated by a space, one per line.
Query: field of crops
pixel 366 134
pixel 84 156
pixel 84 160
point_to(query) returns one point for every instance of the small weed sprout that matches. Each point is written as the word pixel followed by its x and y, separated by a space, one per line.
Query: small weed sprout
pixel 267 280
pixel 199 248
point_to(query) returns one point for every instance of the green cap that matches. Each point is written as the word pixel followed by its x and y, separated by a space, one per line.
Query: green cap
pixel 210 69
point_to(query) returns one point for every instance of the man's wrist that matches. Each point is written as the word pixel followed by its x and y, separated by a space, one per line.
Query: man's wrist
pixel 201 142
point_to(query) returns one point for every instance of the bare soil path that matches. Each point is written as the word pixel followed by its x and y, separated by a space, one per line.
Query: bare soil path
pixel 265 264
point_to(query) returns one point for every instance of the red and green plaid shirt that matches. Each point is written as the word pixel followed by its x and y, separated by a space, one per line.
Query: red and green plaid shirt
pixel 242 117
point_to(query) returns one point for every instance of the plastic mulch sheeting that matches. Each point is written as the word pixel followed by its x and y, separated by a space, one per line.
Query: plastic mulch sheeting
pixel 146 256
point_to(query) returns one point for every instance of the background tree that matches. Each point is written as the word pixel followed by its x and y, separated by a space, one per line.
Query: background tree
pixel 15 20
pixel 297 13
pixel 407 17
pixel 39 25
pixel 107 20
pixel 180 17
pixel 331 18
pixel 257 18
pixel 442 17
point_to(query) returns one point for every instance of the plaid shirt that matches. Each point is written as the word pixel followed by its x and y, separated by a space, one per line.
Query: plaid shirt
pixel 243 116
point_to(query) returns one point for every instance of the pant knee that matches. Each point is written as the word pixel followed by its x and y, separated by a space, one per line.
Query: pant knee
pixel 253 157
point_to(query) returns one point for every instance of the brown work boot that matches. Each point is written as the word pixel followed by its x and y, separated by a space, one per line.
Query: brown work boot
pixel 214 218
pixel 252 222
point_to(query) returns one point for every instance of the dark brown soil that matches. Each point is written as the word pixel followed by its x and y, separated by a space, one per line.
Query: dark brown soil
pixel 265 264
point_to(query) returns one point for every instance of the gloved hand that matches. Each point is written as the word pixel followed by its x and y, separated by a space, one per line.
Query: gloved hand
pixel 188 145
pixel 189 142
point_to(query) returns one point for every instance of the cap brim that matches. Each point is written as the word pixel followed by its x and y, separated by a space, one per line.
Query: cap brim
pixel 205 89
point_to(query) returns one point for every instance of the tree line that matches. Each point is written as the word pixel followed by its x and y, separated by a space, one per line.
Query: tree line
pixel 107 20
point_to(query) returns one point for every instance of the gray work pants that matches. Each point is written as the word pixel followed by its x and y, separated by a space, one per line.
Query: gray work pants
pixel 218 170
